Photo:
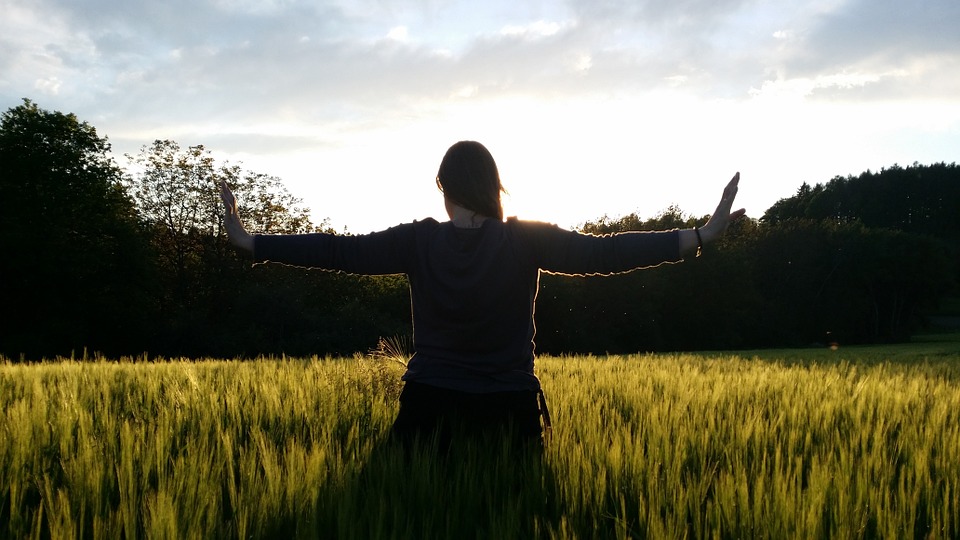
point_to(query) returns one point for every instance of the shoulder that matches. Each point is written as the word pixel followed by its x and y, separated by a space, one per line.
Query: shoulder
pixel 423 227
pixel 534 229
pixel 529 225
pixel 413 228
pixel 417 224
pixel 426 224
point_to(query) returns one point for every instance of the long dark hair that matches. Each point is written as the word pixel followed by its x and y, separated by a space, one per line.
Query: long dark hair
pixel 468 176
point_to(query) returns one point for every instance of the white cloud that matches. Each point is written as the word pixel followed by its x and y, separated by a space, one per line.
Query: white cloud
pixel 581 62
pixel 398 33
pixel 49 86
pixel 468 91
pixel 610 86
pixel 802 87
pixel 535 30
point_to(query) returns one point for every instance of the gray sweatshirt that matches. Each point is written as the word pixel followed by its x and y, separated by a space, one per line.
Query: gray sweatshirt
pixel 473 290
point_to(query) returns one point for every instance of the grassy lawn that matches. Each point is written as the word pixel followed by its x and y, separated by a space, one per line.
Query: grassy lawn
pixel 857 442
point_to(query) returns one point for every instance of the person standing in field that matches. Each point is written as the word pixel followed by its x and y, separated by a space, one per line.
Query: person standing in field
pixel 473 286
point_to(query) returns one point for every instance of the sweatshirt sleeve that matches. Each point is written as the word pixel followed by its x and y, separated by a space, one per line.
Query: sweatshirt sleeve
pixel 378 253
pixel 561 251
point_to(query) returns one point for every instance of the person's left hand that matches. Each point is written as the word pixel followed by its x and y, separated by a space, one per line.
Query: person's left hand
pixel 231 220
pixel 722 217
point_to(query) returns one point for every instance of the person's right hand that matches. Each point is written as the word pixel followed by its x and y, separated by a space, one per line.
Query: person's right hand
pixel 237 235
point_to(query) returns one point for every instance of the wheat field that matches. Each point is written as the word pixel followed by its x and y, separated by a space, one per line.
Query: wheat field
pixel 855 443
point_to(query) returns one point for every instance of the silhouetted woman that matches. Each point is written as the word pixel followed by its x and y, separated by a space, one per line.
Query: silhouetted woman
pixel 473 284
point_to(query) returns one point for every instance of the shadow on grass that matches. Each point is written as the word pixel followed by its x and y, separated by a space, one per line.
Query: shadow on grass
pixel 477 491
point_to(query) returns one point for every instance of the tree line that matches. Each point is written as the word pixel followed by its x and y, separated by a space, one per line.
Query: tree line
pixel 134 261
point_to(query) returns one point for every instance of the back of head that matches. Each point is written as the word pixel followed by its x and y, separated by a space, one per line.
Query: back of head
pixel 468 176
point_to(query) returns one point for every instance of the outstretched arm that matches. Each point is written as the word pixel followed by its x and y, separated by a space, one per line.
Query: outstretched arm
pixel 718 222
pixel 231 220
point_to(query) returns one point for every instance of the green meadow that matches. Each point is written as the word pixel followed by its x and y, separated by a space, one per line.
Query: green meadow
pixel 847 443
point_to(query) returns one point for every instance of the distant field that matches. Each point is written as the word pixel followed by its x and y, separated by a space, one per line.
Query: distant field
pixel 852 443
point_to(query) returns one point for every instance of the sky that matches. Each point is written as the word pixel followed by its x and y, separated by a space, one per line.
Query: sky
pixel 591 108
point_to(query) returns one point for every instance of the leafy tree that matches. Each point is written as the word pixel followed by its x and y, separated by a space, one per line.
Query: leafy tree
pixel 894 278
pixel 670 218
pixel 73 268
pixel 712 302
pixel 177 193
pixel 920 199
pixel 851 282
pixel 180 189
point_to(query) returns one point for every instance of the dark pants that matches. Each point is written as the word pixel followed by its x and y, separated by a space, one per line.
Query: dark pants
pixel 454 418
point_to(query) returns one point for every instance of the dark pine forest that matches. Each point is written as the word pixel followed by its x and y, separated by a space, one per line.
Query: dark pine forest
pixel 133 261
